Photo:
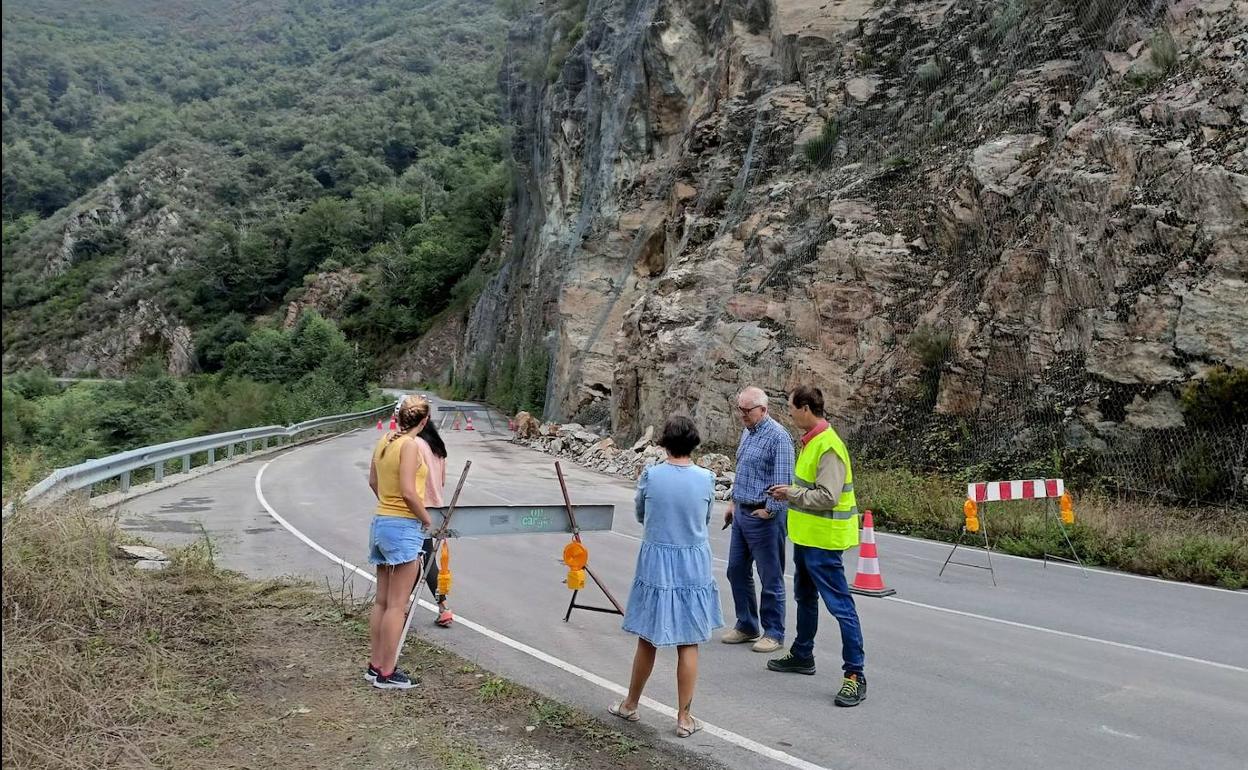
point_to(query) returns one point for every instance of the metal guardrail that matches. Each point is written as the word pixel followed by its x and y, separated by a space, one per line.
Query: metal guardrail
pixel 120 466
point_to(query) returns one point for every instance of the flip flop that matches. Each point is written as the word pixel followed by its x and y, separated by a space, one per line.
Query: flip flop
pixel 685 732
pixel 618 710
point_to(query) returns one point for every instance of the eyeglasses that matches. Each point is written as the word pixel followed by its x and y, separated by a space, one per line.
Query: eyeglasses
pixel 747 410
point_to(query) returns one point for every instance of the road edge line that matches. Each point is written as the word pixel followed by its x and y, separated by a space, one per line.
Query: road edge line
pixel 1069 635
pixel 1027 626
pixel 729 736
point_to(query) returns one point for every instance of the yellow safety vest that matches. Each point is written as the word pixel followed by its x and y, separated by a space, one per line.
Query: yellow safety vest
pixel 833 530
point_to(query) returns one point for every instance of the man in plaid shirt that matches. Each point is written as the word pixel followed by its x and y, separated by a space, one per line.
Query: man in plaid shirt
pixel 764 458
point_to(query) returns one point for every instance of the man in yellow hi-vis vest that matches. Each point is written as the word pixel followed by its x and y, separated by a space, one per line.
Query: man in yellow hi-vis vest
pixel 822 523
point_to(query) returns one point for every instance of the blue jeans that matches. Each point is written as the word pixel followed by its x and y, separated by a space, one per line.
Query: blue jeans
pixel 757 541
pixel 821 573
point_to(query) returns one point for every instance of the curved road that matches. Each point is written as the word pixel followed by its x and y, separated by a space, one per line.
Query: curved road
pixel 1051 667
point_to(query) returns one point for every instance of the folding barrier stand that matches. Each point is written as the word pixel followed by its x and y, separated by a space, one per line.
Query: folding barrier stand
pixel 478 520
pixel 983 527
pixel 986 492
pixel 614 609
pixel 462 411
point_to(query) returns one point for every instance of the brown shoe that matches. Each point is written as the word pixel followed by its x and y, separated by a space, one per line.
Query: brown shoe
pixel 766 644
pixel 737 637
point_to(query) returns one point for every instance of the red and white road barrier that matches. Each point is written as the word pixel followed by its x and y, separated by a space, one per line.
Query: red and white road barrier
pixel 1032 489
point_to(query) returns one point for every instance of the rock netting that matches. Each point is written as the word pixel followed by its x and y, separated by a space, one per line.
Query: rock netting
pixel 1058 190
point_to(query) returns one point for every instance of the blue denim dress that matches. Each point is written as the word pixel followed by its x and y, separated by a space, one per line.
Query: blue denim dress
pixel 674 599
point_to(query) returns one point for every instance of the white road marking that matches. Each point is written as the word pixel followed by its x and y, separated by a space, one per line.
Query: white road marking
pixel 1098 570
pixel 1111 731
pixel 1028 626
pixel 1069 635
pixel 727 735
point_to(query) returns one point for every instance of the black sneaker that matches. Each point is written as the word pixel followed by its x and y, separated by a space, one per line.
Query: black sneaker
pixel 791 664
pixel 398 680
pixel 853 690
pixel 371 673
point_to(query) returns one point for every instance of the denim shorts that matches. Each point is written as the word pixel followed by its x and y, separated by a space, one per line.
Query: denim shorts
pixel 394 540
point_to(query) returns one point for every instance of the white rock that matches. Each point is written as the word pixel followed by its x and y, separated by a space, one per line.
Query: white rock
pixel 999 164
pixel 1160 412
pixel 142 552
pixel 645 439
pixel 862 89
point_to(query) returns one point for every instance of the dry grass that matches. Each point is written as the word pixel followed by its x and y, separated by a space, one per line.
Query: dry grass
pixel 1199 545
pixel 104 666
pixel 100 662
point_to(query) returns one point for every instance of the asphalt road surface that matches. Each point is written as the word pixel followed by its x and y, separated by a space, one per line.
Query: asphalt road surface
pixel 1049 668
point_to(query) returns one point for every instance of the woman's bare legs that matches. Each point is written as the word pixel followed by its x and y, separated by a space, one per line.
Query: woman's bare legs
pixel 686 678
pixel 402 579
pixel 376 614
pixel 643 664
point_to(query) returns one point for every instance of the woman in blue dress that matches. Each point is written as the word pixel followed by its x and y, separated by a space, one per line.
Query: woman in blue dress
pixel 674 601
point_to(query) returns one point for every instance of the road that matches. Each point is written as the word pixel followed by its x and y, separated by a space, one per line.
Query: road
pixel 1048 668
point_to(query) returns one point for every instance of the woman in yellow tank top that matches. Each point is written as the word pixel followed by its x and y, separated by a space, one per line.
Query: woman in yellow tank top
pixel 398 477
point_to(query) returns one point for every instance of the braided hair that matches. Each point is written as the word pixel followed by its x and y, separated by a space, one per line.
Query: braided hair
pixel 412 410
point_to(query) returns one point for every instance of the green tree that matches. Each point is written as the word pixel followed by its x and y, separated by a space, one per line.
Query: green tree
pixel 329 225
pixel 211 343
pixel 265 356
pixel 243 271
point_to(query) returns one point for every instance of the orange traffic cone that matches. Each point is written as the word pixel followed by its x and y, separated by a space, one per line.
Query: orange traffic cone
pixel 868 581
pixel 469 426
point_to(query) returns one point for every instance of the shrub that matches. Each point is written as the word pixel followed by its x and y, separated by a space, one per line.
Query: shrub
pixel 819 150
pixel 1164 51
pixel 896 162
pixel 531 387
pixel 1217 401
pixel 932 347
pixel 929 74
pixel 32 383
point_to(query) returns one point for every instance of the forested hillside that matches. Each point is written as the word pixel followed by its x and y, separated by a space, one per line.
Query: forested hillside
pixel 175 172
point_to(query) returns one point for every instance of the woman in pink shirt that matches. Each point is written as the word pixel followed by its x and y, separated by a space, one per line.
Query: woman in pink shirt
pixel 433 452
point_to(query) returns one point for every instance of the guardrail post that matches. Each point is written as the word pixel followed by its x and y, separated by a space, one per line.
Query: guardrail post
pixel 71 478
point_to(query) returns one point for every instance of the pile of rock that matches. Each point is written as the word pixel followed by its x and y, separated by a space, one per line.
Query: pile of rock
pixel 584 447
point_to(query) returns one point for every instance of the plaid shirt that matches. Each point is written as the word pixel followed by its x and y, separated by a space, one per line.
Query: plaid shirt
pixel 764 457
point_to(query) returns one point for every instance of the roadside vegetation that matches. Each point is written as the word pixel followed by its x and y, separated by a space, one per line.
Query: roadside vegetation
pixel 106 666
pixel 1200 545
pixel 266 377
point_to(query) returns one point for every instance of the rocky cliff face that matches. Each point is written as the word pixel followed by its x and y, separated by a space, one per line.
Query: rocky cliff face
pixel 991 214
pixel 99 264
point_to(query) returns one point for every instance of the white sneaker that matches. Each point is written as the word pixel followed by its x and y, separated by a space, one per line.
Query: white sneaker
pixel 737 637
pixel 766 644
